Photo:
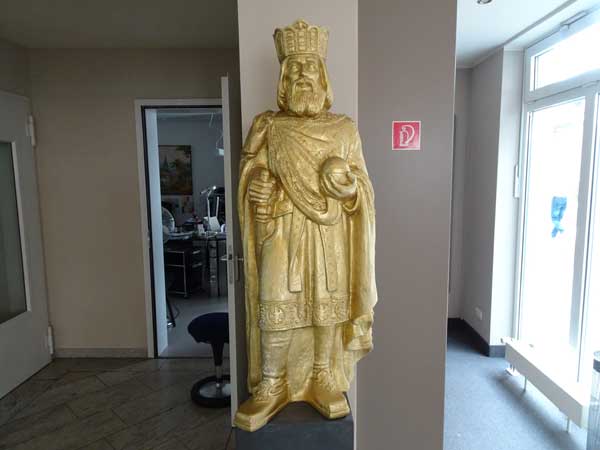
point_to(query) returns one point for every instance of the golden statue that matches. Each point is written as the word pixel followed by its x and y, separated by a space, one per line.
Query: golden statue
pixel 308 227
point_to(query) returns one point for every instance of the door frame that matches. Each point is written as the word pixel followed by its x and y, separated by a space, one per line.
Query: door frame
pixel 139 106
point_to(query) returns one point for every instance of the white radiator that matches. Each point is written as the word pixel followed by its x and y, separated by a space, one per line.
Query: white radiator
pixel 572 400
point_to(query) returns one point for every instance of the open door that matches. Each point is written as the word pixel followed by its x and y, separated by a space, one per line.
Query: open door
pixel 156 238
pixel 232 141
pixel 24 347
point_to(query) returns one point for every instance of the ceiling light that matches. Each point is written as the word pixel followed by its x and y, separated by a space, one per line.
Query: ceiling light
pixel 484 2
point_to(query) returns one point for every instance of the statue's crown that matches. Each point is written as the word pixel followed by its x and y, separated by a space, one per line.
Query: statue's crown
pixel 300 37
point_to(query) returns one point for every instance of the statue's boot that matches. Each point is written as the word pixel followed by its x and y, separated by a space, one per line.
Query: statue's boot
pixel 325 396
pixel 270 397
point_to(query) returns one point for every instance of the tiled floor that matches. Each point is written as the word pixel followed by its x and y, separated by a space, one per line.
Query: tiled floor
pixel 113 404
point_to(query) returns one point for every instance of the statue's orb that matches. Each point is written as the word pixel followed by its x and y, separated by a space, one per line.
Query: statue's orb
pixel 336 168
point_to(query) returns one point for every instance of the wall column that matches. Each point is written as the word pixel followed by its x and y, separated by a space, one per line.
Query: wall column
pixel 406 72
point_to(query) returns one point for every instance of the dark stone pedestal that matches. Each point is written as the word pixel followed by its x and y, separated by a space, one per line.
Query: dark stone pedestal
pixel 299 427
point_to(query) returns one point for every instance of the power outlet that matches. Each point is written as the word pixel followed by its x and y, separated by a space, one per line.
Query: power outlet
pixel 479 313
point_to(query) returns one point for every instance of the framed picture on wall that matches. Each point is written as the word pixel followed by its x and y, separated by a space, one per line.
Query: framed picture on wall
pixel 175 169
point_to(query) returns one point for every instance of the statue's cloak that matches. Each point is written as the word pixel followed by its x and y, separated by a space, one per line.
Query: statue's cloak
pixel 286 145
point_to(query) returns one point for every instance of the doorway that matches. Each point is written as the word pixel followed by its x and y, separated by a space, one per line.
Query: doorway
pixel 185 185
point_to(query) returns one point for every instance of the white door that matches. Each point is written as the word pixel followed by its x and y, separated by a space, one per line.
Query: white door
pixel 24 345
pixel 232 142
pixel 157 250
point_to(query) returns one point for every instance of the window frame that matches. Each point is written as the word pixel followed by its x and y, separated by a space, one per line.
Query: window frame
pixel 530 92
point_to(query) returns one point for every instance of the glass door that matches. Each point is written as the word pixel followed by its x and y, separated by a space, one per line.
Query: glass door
pixel 591 330
pixel 13 300
pixel 24 347
pixel 558 270
pixel 549 301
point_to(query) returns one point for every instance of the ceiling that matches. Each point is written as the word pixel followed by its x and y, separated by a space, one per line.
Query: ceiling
pixel 213 24
pixel 483 28
pixel 120 23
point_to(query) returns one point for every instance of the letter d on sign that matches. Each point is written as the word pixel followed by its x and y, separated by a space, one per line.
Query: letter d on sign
pixel 406 135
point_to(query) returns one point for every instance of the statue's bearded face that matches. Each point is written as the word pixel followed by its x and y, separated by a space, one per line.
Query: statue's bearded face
pixel 304 85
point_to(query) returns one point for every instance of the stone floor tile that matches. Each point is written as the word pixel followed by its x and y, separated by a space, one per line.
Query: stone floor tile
pixel 77 434
pixel 171 444
pixel 116 377
pixel 199 365
pixel 50 372
pixel 162 379
pixel 144 365
pixel 211 435
pixel 71 377
pixel 98 445
pixel 153 404
pixel 94 364
pixel 62 394
pixel 108 398
pixel 159 429
pixel 21 397
pixel 107 404
pixel 22 430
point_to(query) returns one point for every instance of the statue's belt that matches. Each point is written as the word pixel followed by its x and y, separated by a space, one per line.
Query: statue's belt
pixel 295 266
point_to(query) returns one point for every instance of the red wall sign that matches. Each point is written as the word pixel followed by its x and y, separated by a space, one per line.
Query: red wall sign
pixel 406 135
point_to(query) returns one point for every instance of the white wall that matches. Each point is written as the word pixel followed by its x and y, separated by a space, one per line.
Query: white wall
pixel 462 98
pixel 506 217
pixel 480 192
pixel 490 210
pixel 406 72
pixel 207 164
pixel 87 164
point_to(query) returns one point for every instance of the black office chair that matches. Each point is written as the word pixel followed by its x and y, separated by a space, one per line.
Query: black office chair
pixel 213 329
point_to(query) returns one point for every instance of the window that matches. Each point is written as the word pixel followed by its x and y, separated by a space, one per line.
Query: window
pixel 570 57
pixel 558 280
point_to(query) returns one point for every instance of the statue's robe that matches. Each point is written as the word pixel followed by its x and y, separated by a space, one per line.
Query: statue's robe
pixel 312 264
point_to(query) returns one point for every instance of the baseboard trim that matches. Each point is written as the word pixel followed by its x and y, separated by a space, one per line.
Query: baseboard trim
pixel 493 351
pixel 100 353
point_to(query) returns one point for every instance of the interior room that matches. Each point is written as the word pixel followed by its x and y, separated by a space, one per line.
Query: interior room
pixel 190 146
pixel 126 293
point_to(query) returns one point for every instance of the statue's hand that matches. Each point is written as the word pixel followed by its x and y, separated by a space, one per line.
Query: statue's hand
pixel 337 180
pixel 339 186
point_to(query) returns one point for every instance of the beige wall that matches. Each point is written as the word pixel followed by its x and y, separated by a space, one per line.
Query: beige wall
pixel 88 175
pixel 406 72
pixel 14 69
pixel 259 67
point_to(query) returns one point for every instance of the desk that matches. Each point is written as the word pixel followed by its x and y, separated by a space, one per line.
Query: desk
pixel 199 262
pixel 185 262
